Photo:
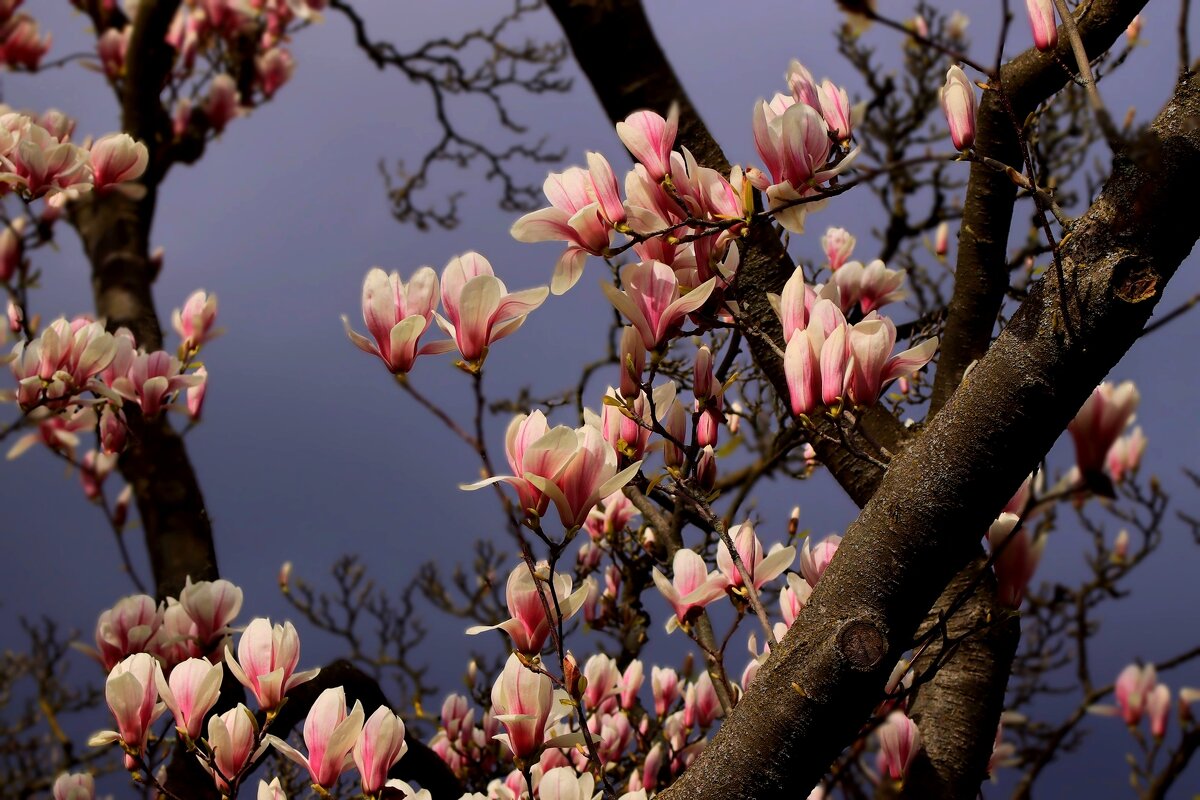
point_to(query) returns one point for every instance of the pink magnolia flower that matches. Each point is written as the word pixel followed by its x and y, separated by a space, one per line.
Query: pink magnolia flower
pixel 814 560
pixel 590 475
pixel 532 447
pixel 196 394
pixel 700 704
pixel 212 605
pixel 564 783
pixel 625 426
pixel 112 431
pixel 194 322
pixel 612 733
pixel 458 717
pixel 529 627
pixel 612 516
pixel 329 736
pixel 706 462
pixel 10 248
pixel 899 743
pixel 266 661
pixel 21 44
pixel 633 361
pixel 1133 689
pixel 61 360
pixel 691 588
pixel 792 139
pixel 1125 455
pixel 74 786
pixel 1017 562
pixel 133 700
pixel 397 314
pixel 958 102
pixel 112 47
pixel 274 68
pixel 574 217
pixel 664 684
pixel 762 570
pixel 941 239
pixel 1041 20
pixel 793 598
pixel 117 158
pixel 271 791
pixel 380 745
pixel 1158 709
pixel 193 689
pixel 838 244
pixel 231 736
pixel 604 189
pixel 127 628
pixel 871 343
pixel 152 378
pixel 479 308
pixel 817 361
pixel 652 300
pixel 521 701
pixel 835 108
pixel 177 636
pixel 1101 419
pixel 603 683
pixel 631 682
pixel 650 138
pixel 45 166
pixel 222 105
pixel 93 470
pixel 872 286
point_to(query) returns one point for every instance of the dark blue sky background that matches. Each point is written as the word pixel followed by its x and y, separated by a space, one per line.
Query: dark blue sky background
pixel 309 451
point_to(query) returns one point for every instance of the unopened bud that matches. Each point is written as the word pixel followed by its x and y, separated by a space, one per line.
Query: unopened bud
pixel 706 469
pixel 633 361
pixel 120 511
pixel 1120 550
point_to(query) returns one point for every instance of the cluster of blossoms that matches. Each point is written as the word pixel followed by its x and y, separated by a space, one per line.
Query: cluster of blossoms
pixel 203 33
pixel 1104 453
pixel 74 375
pixel 1139 694
pixel 39 160
pixel 172 656
pixel 525 716
pixel 573 467
pixel 679 217
pixel 479 310
pixel 829 361
pixel 21 43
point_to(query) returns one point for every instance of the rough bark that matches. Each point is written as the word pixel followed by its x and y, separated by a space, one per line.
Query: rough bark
pixel 917 532
pixel 981 274
pixel 955 726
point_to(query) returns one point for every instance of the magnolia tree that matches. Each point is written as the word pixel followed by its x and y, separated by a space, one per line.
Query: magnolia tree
pixel 908 657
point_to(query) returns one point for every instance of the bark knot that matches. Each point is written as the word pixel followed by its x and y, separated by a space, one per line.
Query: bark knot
pixel 862 644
